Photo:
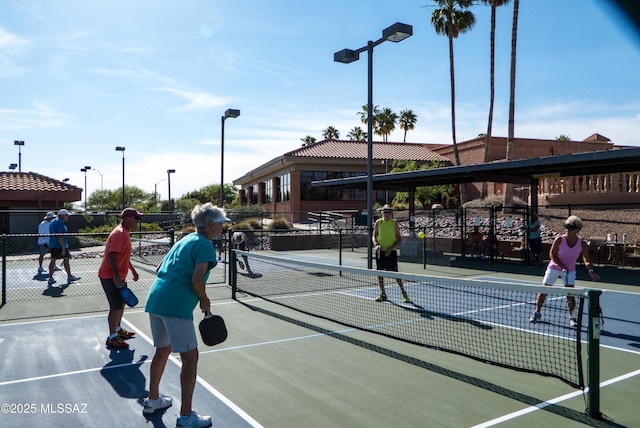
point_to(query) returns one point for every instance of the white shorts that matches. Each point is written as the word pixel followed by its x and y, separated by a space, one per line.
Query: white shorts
pixel 552 275
pixel 177 332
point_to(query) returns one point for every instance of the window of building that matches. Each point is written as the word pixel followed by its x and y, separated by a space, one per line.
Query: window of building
pixel 284 187
pixel 267 191
pixel 308 193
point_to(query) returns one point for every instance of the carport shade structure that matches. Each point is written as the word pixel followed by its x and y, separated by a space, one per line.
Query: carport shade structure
pixel 521 171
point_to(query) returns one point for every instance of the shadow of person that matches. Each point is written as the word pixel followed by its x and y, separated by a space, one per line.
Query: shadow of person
pixel 124 375
pixel 54 291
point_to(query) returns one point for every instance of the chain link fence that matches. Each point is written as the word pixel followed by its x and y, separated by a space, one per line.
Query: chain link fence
pixel 22 281
pixel 430 237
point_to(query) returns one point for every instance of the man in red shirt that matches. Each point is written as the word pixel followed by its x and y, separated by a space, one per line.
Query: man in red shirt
pixel 115 265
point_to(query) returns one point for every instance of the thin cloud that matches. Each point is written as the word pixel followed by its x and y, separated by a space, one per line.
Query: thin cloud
pixel 197 100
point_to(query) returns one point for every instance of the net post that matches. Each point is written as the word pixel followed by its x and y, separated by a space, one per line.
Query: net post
pixel 593 347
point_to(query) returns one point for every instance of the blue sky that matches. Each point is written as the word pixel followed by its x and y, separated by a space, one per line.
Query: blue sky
pixel 80 77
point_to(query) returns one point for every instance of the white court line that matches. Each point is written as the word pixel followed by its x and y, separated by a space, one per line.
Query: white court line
pixel 244 415
pixel 201 381
pixel 556 400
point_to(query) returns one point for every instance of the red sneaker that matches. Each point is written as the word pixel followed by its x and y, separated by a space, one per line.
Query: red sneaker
pixel 116 343
pixel 125 334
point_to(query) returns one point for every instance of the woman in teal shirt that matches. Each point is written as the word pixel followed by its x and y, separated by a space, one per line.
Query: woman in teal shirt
pixel 180 285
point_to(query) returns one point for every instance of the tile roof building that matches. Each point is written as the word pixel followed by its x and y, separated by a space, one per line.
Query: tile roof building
pixel 282 185
pixel 29 190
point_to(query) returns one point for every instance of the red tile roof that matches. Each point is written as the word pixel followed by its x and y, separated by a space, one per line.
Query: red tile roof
pixel 31 181
pixel 32 190
pixel 343 149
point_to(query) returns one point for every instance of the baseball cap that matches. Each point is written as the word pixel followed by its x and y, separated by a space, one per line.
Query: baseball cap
pixel 63 212
pixel 49 215
pixel 130 212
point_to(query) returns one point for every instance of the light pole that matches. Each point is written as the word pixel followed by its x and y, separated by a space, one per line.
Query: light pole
pixel 85 169
pixel 101 179
pixel 121 149
pixel 395 33
pixel 169 172
pixel 155 191
pixel 19 144
pixel 233 113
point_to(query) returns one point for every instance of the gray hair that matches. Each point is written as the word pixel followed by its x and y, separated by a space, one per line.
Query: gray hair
pixel 573 223
pixel 202 215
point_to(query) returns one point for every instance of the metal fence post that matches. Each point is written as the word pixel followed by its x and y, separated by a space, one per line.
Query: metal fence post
pixel 4 270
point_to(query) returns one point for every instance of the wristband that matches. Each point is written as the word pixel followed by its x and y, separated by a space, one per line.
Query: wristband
pixel 591 271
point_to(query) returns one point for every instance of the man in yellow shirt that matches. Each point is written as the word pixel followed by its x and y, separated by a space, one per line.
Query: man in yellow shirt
pixel 386 238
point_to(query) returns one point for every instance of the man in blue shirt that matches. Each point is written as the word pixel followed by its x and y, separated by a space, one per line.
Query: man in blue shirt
pixel 59 246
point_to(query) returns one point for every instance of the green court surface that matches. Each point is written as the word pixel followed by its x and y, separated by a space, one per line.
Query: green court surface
pixel 287 369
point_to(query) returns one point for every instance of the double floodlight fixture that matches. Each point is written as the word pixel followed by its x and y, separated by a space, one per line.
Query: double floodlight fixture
pixel 395 33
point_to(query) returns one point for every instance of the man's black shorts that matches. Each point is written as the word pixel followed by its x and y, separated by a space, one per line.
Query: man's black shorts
pixel 112 293
pixel 387 263
pixel 56 253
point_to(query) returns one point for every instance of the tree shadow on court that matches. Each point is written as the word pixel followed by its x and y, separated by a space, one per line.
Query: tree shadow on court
pixel 565 412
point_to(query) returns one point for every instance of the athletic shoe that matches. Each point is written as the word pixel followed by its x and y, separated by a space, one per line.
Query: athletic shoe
pixel 73 278
pixel 116 343
pixel 194 420
pixel 573 322
pixel 57 268
pixel 405 297
pixel 127 295
pixel 40 270
pixel 535 317
pixel 51 281
pixel 381 298
pixel 160 403
pixel 125 334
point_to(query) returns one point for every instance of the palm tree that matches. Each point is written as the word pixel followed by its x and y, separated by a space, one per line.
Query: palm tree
pixel 330 133
pixel 407 122
pixel 364 114
pixel 508 193
pixel 450 19
pixel 386 123
pixel 307 141
pixel 357 134
pixel 563 137
pixel 487 142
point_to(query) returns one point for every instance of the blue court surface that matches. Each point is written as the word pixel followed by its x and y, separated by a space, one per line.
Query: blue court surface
pixel 621 328
pixel 59 373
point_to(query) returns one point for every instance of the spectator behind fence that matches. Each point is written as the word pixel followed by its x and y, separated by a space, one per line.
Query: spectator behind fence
pixel 43 241
pixel 60 246
pixel 478 242
pixel 535 239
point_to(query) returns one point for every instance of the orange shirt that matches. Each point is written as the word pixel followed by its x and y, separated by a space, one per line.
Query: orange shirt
pixel 119 242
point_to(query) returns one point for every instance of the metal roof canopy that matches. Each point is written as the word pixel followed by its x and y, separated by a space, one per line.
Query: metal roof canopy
pixel 521 171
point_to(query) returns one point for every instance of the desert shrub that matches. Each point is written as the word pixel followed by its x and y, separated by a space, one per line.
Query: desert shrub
pixel 495 202
pixel 279 223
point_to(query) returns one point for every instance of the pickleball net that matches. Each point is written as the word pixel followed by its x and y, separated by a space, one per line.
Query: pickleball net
pixel 486 321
